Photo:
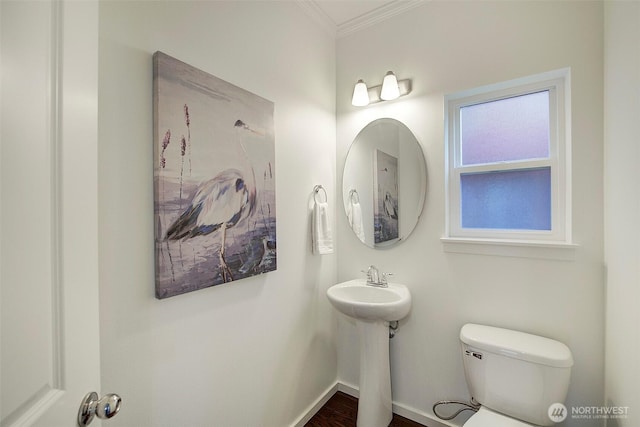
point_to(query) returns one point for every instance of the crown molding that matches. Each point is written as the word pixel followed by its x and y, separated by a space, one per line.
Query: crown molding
pixel 312 9
pixel 378 15
pixel 358 23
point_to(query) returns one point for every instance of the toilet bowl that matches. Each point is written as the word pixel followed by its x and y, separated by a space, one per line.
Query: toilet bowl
pixel 514 376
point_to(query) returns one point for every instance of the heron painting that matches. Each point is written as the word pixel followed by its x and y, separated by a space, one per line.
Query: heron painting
pixel 385 209
pixel 214 180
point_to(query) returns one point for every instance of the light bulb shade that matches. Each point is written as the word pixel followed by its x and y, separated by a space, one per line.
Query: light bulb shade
pixel 360 95
pixel 390 89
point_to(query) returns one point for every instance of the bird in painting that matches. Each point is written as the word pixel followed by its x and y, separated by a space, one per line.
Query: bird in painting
pixel 389 203
pixel 390 206
pixel 219 204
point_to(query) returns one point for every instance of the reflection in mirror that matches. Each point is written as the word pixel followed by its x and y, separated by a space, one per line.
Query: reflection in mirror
pixel 384 183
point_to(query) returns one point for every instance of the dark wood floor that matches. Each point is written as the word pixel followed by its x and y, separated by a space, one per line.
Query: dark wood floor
pixel 341 411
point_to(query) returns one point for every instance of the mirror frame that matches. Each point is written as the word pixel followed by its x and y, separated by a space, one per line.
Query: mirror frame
pixel 411 177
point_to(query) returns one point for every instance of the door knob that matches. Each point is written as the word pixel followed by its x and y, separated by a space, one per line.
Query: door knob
pixel 104 408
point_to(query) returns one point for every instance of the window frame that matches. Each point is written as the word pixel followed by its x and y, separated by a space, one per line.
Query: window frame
pixel 558 84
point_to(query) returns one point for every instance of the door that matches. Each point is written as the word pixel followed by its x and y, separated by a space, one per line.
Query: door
pixel 48 211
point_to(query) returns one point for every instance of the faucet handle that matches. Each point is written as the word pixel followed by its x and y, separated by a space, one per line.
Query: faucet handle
pixel 373 275
pixel 385 276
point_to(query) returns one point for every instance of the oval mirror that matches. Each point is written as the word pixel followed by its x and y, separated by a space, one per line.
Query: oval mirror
pixel 384 183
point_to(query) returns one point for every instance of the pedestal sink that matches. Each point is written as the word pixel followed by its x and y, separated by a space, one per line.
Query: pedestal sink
pixel 373 308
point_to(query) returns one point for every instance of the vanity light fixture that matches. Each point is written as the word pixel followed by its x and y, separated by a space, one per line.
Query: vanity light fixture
pixel 360 94
pixel 390 89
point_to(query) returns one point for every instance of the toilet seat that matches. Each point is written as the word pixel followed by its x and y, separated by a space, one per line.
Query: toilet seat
pixel 487 418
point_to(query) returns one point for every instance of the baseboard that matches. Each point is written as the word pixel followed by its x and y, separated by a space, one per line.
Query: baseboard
pixel 315 407
pixel 421 417
pixel 402 410
pixel 349 389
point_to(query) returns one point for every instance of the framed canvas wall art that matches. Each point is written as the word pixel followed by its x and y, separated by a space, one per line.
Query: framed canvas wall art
pixel 214 180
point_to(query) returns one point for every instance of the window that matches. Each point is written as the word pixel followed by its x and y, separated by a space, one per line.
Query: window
pixel 508 169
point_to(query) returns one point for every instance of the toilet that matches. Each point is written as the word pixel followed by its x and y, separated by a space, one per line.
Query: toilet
pixel 515 377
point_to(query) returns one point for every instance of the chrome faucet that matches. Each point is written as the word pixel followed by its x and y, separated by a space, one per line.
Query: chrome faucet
pixel 375 278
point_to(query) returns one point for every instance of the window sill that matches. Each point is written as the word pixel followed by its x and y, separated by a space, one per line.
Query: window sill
pixel 512 248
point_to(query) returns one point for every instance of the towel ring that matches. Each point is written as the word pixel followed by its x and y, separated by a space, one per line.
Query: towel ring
pixel 316 190
pixel 354 196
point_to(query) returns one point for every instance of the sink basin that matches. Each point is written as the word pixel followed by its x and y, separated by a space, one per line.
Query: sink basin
pixel 358 300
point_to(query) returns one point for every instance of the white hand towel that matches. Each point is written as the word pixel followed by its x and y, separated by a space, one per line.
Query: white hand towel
pixel 321 238
pixel 354 214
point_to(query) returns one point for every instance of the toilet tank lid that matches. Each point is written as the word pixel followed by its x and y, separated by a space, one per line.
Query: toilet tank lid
pixel 517 345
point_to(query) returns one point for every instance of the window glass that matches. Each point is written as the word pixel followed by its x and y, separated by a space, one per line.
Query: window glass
pixel 517 199
pixel 509 129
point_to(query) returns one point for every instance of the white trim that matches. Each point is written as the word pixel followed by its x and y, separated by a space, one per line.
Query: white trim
pixel 316 406
pixel 559 251
pixel 398 408
pixel 316 13
pixel 380 14
pixel 420 417
pixel 55 118
pixel 358 23
pixel 33 410
pixel 402 410
pixel 558 84
pixel 506 87
pixel 349 389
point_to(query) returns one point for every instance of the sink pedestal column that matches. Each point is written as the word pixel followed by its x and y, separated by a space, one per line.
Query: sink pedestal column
pixel 374 405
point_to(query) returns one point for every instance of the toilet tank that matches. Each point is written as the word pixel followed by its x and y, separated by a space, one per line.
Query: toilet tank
pixel 515 373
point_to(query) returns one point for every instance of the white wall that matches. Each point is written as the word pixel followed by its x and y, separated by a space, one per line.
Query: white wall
pixel 622 207
pixel 447 47
pixel 259 351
